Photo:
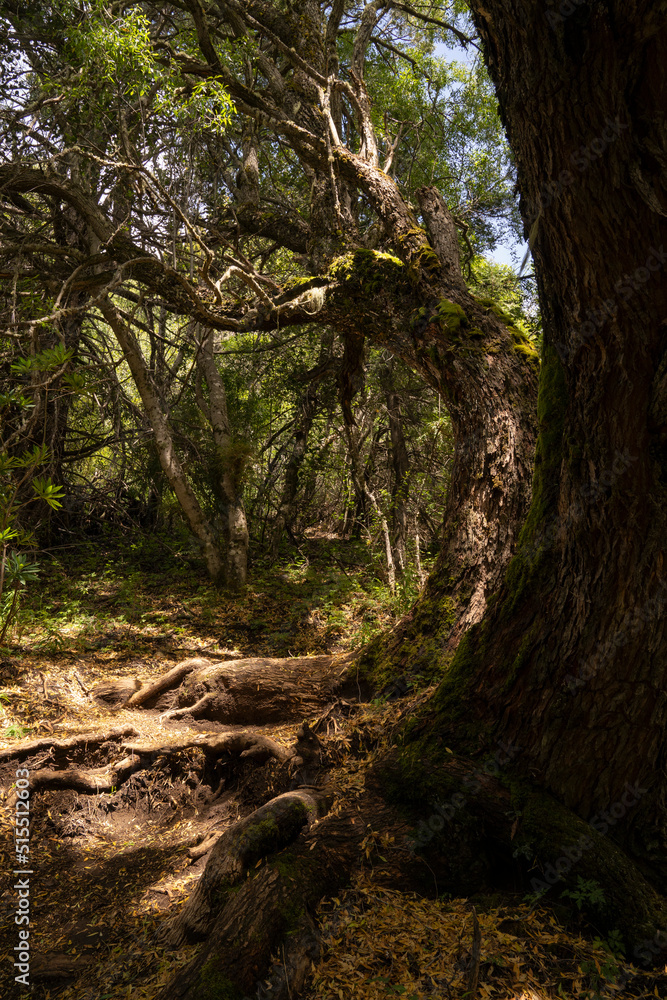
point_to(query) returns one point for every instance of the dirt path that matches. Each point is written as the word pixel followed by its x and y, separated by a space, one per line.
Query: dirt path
pixel 111 858
pixel 131 798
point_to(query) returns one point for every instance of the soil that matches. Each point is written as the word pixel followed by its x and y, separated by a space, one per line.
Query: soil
pixel 108 869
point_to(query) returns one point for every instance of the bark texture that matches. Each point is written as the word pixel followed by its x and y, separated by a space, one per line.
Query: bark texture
pixel 250 691
pixel 569 661
pixel 259 690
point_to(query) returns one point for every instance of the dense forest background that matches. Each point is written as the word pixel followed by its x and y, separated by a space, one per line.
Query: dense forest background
pixel 332 651
pixel 294 432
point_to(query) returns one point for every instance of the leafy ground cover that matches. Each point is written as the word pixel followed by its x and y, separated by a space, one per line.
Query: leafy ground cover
pixel 328 597
pixel 109 867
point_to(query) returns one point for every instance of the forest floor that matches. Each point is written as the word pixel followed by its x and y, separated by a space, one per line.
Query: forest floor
pixel 108 869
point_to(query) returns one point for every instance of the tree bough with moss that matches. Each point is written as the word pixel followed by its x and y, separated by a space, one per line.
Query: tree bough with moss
pixel 560 623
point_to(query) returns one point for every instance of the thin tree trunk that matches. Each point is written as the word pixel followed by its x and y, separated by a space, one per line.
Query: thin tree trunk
pixel 169 461
pixel 400 468
pixel 362 490
pixel 232 457
pixel 308 405
pixel 288 500
pixel 418 560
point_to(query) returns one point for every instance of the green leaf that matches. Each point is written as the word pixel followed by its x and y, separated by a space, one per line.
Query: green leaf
pixel 18 571
pixel 48 491
pixel 7 462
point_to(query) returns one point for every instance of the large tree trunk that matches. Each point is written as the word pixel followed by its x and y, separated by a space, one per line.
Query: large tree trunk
pixel 569 661
pixel 486 372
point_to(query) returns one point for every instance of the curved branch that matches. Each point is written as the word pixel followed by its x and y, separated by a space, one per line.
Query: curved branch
pixel 407 9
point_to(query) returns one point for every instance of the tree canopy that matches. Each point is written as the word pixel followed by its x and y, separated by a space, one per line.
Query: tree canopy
pixel 246 290
pixel 180 183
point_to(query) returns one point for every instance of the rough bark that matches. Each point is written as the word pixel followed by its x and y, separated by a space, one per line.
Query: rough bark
pixel 577 635
pixel 250 691
pixel 256 691
pixel 276 901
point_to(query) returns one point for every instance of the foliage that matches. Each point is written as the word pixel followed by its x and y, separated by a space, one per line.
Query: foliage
pixel 586 892
pixel 20 488
pixel 500 283
pixel 164 145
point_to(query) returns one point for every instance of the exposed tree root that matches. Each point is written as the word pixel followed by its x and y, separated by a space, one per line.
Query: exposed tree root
pixel 169 680
pixel 63 749
pixel 292 965
pixel 278 900
pixel 90 782
pixel 517 826
pixel 459 842
pixel 251 691
pixel 246 746
pixel 195 711
pixel 265 831
pixel 112 693
pixel 199 850
pixel 257 691
pixel 254 918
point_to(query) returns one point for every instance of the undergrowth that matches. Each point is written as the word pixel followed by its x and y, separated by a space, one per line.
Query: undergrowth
pixel 327 597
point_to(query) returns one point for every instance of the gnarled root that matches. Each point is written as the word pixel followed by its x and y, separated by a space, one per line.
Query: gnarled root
pixel 246 746
pixel 279 899
pixel 263 832
pixel 61 750
pixel 251 691
pixel 470 831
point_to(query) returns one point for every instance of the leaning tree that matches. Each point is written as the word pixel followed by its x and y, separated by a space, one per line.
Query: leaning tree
pixel 563 677
pixel 304 176
pixel 550 713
